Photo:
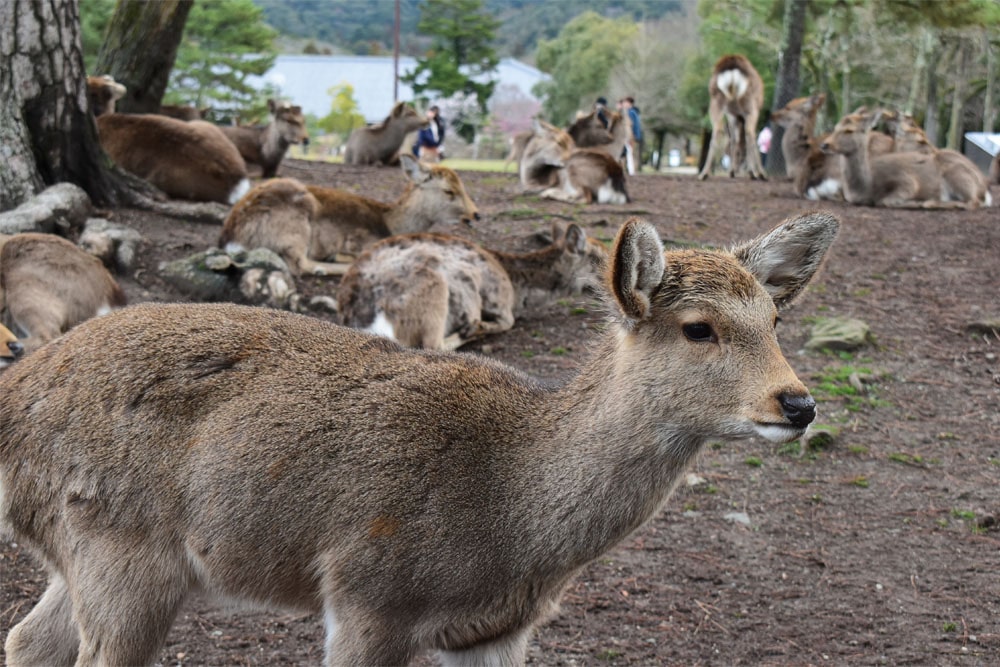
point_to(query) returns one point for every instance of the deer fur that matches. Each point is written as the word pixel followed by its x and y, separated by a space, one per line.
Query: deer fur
pixel 266 145
pixel 184 112
pixel 963 179
pixel 439 292
pixel 736 94
pixel 417 500
pixel 308 225
pixel 380 144
pixel 11 349
pixel 899 180
pixel 551 161
pixel 48 286
pixel 588 132
pixel 102 94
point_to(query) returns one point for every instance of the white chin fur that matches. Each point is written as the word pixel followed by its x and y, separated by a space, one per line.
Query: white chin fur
pixel 777 433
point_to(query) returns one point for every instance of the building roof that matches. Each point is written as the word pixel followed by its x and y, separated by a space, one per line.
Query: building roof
pixel 306 80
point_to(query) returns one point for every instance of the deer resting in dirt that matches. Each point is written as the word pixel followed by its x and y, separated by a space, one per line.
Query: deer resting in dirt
pixel 319 230
pixel 48 286
pixel 736 94
pixel 266 145
pixel 900 180
pixel 551 161
pixel 588 132
pixel 11 349
pixel 439 292
pixel 380 144
pixel 963 179
pixel 415 500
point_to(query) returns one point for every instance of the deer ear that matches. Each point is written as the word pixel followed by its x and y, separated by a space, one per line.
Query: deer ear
pixel 414 171
pixel 785 259
pixel 636 268
pixel 576 239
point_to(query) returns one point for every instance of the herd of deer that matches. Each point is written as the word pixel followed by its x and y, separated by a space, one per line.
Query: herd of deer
pixel 419 500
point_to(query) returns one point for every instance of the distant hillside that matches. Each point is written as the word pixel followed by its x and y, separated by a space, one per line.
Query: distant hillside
pixel 366 27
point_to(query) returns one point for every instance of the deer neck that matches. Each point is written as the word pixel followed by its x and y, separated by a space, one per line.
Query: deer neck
pixel 604 463
pixel 531 271
pixel 795 143
pixel 412 213
pixel 272 143
pixel 858 173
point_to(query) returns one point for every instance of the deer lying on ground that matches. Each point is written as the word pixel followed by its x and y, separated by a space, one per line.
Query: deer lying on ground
pixel 588 132
pixel 962 178
pixel 569 174
pixel 308 225
pixel 48 286
pixel 737 95
pixel 266 145
pixel 439 292
pixel 11 349
pixel 186 160
pixel 900 180
pixel 417 500
pixel 380 144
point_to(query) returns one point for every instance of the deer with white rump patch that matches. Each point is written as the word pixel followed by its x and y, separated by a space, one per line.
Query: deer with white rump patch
pixel 416 500
pixel 439 292
pixel 736 94
pixel 309 225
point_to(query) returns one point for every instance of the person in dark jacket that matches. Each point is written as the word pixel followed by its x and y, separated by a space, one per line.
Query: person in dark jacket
pixel 635 141
pixel 429 145
pixel 601 107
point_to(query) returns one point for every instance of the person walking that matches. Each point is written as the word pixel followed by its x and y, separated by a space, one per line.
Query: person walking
pixel 429 144
pixel 635 143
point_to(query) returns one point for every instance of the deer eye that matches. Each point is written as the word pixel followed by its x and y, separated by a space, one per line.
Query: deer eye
pixel 777 320
pixel 450 193
pixel 699 332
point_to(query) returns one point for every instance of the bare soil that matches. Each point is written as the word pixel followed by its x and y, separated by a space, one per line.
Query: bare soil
pixel 882 548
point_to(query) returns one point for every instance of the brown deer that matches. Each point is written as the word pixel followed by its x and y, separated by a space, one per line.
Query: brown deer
pixel 266 145
pixel 439 292
pixel 11 349
pixel 900 180
pixel 962 178
pixel 309 225
pixel 551 161
pixel 186 160
pixel 380 144
pixel 736 94
pixel 184 112
pixel 417 500
pixel 48 286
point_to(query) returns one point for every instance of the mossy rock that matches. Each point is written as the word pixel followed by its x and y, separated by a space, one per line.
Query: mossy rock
pixel 839 334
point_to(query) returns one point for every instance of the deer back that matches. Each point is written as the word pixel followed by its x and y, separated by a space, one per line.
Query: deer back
pixel 48 285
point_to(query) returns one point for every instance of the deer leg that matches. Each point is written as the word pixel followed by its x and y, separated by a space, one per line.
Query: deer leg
pixel 750 140
pixel 352 643
pixel 508 650
pixel 714 146
pixel 38 321
pixel 124 606
pixel 48 635
pixel 305 266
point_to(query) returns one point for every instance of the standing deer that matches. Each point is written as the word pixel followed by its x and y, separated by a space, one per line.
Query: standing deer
pixel 308 225
pixel 380 144
pixel 11 349
pixel 900 180
pixel 417 500
pixel 962 178
pixel 439 292
pixel 266 145
pixel 737 95
pixel 48 286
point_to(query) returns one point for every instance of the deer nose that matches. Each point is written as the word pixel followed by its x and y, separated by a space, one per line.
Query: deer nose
pixel 799 410
pixel 17 349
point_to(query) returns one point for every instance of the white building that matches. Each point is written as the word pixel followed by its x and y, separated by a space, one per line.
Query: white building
pixel 306 80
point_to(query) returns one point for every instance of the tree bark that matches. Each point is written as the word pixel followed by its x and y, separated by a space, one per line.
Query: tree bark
pixel 989 103
pixel 48 134
pixel 140 49
pixel 955 123
pixel 786 86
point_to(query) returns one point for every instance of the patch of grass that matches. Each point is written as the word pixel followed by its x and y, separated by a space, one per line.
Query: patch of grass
pixel 993 461
pixel 857 449
pixel 753 461
pixel 949 626
pixel 860 481
pixel 964 515
pixel 527 354
pixel 609 654
pixel 579 310
pixel 861 292
pixel 793 448
pixel 559 351
pixel 835 383
pixel 908 459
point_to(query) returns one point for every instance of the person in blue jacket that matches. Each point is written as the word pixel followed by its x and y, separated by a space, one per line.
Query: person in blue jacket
pixel 429 145
pixel 635 141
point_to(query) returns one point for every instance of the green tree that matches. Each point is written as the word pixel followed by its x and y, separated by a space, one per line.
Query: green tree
pixel 580 59
pixel 94 18
pixel 461 54
pixel 344 115
pixel 225 42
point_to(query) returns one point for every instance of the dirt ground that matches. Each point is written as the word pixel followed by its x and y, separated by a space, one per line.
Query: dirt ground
pixel 881 548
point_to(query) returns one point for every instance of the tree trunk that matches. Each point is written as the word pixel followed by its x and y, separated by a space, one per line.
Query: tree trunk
pixel 931 117
pixel 989 103
pixel 956 124
pixel 140 49
pixel 786 86
pixel 47 134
